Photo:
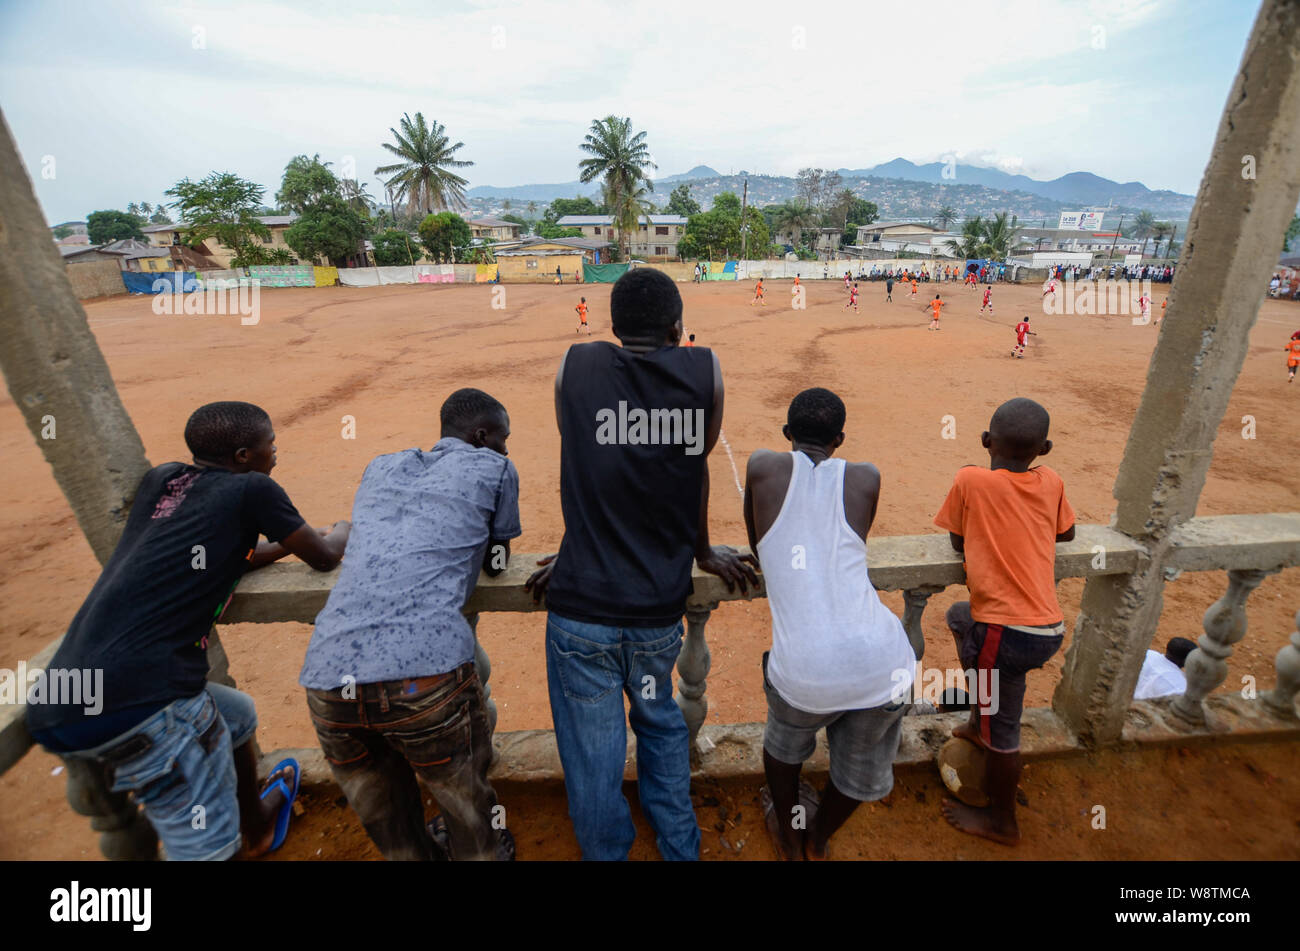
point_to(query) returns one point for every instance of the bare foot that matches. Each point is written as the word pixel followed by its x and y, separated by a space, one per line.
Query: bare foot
pixel 967 732
pixel 255 847
pixel 979 822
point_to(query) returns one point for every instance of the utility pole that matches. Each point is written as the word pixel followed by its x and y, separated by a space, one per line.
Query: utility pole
pixel 1116 239
pixel 744 202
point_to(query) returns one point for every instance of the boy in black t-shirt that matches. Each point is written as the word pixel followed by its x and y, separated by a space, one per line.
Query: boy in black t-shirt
pixel 144 714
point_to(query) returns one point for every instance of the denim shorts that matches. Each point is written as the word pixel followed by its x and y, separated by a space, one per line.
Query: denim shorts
pixel 863 743
pixel 185 779
pixel 1010 654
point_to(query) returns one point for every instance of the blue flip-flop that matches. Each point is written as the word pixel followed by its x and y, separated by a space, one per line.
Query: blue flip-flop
pixel 286 809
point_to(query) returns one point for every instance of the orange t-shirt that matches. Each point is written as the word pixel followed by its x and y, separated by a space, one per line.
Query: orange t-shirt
pixel 582 312
pixel 1010 521
pixel 935 305
pixel 689 343
pixel 759 289
pixel 796 282
pixel 913 285
pixel 1293 353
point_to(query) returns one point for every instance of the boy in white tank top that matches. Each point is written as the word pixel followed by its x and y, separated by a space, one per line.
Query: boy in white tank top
pixel 840 659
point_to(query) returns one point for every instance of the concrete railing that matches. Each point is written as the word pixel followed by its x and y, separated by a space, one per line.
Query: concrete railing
pixel 1247 547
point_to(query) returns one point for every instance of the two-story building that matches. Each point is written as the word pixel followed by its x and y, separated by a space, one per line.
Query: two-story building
pixel 163 236
pixel 655 239
pixel 493 229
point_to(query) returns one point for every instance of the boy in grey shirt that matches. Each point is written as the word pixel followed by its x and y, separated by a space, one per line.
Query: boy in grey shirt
pixel 390 676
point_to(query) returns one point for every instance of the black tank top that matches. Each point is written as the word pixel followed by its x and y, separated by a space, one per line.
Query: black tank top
pixel 632 460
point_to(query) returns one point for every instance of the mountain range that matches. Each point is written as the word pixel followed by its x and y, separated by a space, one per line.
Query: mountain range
pixel 1075 189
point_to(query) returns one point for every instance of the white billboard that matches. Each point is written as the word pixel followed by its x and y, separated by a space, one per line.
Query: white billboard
pixel 1080 221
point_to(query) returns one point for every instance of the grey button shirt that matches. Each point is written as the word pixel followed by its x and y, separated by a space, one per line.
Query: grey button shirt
pixel 421 523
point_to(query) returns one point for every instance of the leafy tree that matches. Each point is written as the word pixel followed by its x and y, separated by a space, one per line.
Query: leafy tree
pixel 515 219
pixel 423 178
pixel 159 216
pixel 106 226
pixel 728 203
pixel 718 231
pixel 328 228
pixel 442 234
pixel 545 230
pixel 224 206
pixel 620 158
pixel 62 231
pixel 305 182
pixel 561 207
pixel 394 247
pixel 680 202
pixel 1292 232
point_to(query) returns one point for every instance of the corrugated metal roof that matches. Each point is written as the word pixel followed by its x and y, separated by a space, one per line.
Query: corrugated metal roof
pixel 578 221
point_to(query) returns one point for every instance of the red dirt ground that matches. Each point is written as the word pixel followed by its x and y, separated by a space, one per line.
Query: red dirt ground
pixel 388 356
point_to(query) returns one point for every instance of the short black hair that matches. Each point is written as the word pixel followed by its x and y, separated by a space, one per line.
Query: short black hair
pixel 644 303
pixel 816 415
pixel 216 431
pixel 1021 425
pixel 1178 648
pixel 467 407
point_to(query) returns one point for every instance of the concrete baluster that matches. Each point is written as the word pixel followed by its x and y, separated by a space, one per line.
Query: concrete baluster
pixel 126 835
pixel 693 668
pixel 1225 625
pixel 1281 699
pixel 914 602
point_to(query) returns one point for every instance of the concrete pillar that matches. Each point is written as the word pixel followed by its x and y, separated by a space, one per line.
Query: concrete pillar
pixel 55 371
pixel 1245 201
pixel 693 665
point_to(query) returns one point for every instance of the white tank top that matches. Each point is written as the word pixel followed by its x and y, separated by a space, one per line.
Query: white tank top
pixel 835 646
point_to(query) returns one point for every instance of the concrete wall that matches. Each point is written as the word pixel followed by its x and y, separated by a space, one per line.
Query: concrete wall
pixel 515 270
pixel 96 279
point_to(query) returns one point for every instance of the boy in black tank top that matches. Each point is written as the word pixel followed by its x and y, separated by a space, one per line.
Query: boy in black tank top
pixel 637 423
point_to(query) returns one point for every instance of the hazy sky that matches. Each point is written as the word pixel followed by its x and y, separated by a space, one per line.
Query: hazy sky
pixel 119 100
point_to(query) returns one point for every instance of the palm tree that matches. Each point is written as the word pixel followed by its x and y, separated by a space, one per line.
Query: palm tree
pixel 621 159
pixel 794 217
pixel 945 216
pixel 627 208
pixel 1160 230
pixel 970 242
pixel 423 178
pixel 999 236
pixel 355 194
pixel 532 209
pixel 1143 224
pixel 505 205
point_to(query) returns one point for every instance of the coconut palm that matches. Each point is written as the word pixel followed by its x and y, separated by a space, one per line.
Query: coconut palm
pixel 355 194
pixel 970 242
pixel 999 236
pixel 423 178
pixel 627 208
pixel 620 158
pixel 794 217
pixel 1143 224
pixel 1160 230
pixel 945 216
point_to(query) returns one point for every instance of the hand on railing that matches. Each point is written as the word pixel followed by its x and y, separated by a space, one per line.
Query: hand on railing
pixel 732 567
pixel 539 579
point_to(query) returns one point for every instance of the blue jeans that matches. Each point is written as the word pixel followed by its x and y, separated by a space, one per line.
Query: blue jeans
pixel 589 669
pixel 185 778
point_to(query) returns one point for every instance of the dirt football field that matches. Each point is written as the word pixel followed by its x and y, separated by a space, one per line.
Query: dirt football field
pixel 388 356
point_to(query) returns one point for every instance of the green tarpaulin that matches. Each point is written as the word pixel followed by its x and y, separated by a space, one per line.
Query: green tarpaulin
pixel 602 273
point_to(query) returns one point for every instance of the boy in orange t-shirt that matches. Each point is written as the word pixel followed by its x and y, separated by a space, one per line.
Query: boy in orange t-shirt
pixel 1292 355
pixel 582 316
pixel 935 305
pixel 1006 521
pixel 758 294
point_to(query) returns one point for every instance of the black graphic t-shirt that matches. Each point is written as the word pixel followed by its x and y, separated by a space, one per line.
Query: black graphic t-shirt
pixel 187 542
